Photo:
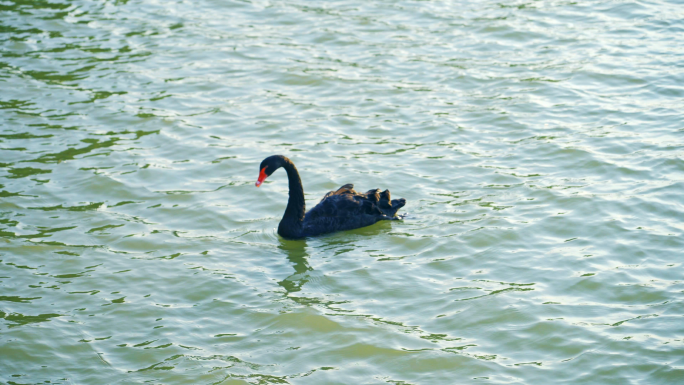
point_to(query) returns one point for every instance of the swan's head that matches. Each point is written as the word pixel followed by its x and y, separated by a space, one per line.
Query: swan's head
pixel 268 167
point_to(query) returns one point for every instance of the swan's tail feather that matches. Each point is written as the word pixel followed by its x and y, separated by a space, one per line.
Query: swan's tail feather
pixel 388 206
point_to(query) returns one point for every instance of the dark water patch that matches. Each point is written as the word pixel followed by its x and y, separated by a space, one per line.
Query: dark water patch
pixel 23 6
pixel 24 135
pixel 26 172
pixel 52 77
pixel 43 232
pixel 90 292
pixel 71 153
pixel 101 229
pixel 86 207
pixel 18 319
pixel 7 194
pixel 17 299
pixel 21 266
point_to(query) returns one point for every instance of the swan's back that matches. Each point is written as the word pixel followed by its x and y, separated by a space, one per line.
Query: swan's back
pixel 346 209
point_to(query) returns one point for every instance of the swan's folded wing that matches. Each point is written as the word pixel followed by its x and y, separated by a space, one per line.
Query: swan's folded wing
pixel 343 205
pixel 341 212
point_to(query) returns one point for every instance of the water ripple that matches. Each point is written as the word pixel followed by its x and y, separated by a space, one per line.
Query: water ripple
pixel 538 144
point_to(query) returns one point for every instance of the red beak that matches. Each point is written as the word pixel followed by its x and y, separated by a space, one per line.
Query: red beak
pixel 262 176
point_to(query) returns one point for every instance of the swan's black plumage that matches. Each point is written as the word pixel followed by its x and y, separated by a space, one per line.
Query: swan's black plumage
pixel 344 209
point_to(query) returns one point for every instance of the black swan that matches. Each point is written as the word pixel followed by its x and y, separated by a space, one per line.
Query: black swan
pixel 344 209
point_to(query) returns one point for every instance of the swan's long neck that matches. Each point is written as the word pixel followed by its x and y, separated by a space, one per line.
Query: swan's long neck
pixel 291 224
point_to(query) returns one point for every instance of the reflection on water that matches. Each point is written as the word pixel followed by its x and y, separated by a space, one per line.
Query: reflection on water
pixel 297 255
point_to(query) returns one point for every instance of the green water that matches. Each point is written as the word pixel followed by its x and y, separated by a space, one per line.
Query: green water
pixel 539 144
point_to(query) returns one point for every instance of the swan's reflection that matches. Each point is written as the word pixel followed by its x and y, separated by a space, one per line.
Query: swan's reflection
pixel 296 253
pixel 335 244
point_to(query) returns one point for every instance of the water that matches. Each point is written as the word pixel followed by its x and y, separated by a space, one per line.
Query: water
pixel 539 144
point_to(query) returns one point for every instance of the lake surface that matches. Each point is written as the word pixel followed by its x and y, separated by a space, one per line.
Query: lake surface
pixel 539 144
